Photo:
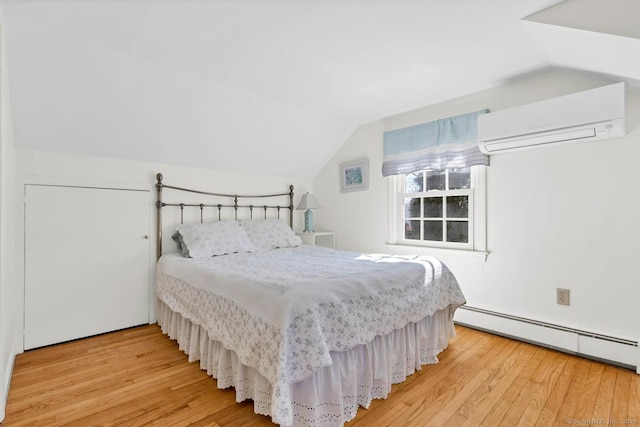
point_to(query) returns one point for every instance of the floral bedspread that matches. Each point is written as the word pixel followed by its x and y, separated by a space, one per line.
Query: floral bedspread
pixel 282 311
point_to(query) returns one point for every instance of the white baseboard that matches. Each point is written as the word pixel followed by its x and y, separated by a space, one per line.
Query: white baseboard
pixel 614 350
pixel 8 372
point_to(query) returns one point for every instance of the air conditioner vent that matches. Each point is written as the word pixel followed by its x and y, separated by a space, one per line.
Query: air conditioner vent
pixel 584 116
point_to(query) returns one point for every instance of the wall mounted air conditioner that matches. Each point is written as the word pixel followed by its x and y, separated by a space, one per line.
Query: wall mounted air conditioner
pixel 584 116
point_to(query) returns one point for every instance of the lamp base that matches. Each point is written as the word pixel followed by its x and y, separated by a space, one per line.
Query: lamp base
pixel 308 222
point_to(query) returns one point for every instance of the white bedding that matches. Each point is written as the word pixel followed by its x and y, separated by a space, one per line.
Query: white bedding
pixel 283 311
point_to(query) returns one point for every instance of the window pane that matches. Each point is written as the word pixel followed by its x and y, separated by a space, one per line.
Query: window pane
pixel 413 182
pixel 433 207
pixel 412 208
pixel 412 230
pixel 459 179
pixel 436 180
pixel 458 231
pixel 457 206
pixel 433 231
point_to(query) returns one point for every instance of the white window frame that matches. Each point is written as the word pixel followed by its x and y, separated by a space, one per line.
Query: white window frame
pixel 477 213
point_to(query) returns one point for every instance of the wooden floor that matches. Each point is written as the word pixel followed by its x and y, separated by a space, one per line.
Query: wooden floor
pixel 139 377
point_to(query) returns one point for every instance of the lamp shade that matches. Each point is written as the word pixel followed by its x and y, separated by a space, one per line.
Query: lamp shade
pixel 308 202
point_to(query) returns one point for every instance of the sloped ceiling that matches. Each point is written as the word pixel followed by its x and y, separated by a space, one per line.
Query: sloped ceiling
pixel 596 36
pixel 274 86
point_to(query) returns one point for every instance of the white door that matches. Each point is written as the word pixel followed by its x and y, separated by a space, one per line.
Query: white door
pixel 86 262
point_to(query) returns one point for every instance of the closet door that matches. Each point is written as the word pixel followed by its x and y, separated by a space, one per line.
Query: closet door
pixel 86 262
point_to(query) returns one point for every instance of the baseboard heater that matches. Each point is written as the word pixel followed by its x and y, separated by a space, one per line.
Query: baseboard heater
pixel 618 351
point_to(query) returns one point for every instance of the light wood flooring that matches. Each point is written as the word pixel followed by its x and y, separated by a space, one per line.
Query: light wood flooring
pixel 139 377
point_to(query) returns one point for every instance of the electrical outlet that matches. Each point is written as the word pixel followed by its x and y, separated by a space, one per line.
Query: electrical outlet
pixel 562 296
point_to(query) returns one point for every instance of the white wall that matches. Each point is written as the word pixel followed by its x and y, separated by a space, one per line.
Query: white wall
pixel 39 167
pixel 557 217
pixel 9 291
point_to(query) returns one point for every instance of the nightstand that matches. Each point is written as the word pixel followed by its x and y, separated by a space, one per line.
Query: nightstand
pixel 319 238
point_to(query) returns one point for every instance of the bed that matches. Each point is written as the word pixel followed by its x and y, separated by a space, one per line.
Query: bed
pixel 308 333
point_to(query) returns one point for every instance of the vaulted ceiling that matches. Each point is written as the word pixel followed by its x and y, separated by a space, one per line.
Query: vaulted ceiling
pixel 277 86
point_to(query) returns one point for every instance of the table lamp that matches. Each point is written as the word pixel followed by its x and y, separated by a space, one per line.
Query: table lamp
pixel 308 202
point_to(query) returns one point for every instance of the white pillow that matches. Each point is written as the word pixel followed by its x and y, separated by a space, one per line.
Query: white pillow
pixel 270 233
pixel 212 238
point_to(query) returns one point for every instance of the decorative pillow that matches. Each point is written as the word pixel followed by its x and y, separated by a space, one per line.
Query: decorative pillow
pixel 270 233
pixel 212 238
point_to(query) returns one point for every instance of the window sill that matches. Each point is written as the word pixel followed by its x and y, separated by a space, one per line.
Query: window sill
pixel 424 250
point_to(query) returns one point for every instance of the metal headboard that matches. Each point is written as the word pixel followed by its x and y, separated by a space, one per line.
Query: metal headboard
pixel 231 197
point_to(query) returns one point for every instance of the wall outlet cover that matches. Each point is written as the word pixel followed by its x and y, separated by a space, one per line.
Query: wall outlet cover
pixel 562 296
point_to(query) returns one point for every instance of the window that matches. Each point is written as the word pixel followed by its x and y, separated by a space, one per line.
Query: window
pixel 442 209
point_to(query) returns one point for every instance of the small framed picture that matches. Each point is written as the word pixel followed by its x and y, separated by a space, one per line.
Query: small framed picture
pixel 354 176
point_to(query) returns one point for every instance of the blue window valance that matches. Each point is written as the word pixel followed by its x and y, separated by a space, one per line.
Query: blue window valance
pixel 442 144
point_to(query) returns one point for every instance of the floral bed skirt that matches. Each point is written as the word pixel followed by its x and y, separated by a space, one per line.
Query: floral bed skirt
pixel 331 396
